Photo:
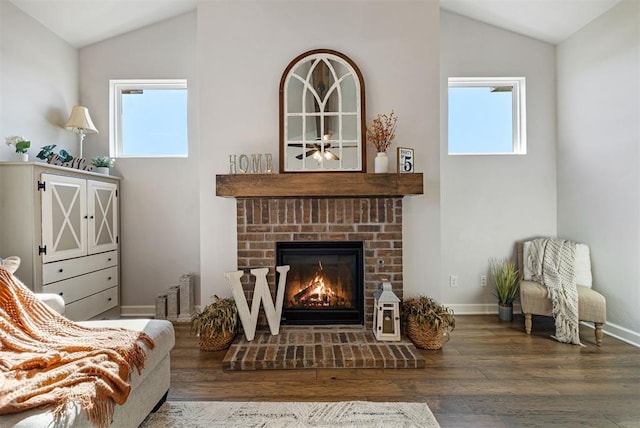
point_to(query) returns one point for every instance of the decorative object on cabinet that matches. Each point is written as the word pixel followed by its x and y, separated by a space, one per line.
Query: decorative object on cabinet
pixel 322 110
pixel 80 122
pixel 216 325
pixel 20 144
pixel 428 323
pixel 63 224
pixel 102 164
pixel 47 154
pixel 405 160
pixel 507 280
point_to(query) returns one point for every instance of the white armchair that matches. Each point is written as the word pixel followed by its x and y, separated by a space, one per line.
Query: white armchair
pixel 54 301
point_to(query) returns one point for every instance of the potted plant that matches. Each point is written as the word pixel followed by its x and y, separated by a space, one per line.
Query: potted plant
pixel 427 322
pixel 507 281
pixel 102 164
pixel 217 324
pixel 381 133
pixel 20 144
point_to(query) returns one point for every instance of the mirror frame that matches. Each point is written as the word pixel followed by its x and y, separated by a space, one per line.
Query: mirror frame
pixel 362 119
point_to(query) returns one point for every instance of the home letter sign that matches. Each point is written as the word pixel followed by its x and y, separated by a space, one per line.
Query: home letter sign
pixel 262 293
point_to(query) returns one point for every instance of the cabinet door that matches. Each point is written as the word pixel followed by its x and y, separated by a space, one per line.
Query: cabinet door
pixel 64 224
pixel 103 216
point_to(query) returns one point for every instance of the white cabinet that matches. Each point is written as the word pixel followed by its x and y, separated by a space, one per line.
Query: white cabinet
pixel 79 217
pixel 63 224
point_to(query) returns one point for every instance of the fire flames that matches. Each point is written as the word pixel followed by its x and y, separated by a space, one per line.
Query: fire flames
pixel 318 293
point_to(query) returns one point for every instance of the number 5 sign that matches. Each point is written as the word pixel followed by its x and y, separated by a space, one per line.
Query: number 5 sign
pixel 405 159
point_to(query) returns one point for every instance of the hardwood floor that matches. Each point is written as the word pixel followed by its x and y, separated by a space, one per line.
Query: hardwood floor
pixel 490 374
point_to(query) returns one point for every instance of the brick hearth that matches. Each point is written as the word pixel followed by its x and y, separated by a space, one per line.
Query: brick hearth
pixel 376 221
pixel 320 347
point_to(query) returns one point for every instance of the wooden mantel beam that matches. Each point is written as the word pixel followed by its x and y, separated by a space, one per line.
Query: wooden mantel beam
pixel 323 185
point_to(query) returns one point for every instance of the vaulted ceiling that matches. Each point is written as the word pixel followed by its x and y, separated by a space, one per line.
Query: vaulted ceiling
pixel 83 22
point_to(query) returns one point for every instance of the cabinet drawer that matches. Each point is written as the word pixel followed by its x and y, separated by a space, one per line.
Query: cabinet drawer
pixel 58 271
pixel 78 287
pixel 93 305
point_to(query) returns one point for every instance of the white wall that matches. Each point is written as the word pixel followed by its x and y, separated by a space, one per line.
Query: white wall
pixel 159 198
pixel 490 201
pixel 243 48
pixel 599 157
pixel 38 84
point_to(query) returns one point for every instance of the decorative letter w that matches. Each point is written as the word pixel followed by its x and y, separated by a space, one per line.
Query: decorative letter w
pixel 262 293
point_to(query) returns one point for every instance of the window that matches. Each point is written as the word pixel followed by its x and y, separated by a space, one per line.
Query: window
pixel 487 115
pixel 148 118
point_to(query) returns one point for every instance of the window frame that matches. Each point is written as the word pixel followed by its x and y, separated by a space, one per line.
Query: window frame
pixel 116 86
pixel 518 110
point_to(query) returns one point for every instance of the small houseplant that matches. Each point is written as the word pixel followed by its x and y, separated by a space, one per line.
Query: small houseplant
pixel 217 324
pixel 507 281
pixel 102 164
pixel 427 322
pixel 19 144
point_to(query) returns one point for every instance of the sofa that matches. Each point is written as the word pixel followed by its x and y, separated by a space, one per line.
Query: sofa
pixel 148 388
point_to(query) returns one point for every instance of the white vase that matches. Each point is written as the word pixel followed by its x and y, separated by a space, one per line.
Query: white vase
pixel 24 157
pixel 102 170
pixel 381 163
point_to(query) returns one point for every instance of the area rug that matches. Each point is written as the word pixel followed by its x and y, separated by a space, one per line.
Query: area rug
pixel 367 414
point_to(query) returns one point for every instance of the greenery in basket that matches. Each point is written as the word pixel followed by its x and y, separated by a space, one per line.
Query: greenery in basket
pixel 216 318
pixel 507 280
pixel 102 162
pixel 427 312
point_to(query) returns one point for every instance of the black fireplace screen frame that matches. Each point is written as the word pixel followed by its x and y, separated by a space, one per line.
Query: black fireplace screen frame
pixel 318 249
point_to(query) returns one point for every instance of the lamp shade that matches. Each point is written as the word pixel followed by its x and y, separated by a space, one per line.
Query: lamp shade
pixel 80 121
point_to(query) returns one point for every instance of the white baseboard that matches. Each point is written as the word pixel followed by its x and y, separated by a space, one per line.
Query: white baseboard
pixel 479 308
pixel 138 311
pixel 621 333
pixel 145 312
pixel 613 330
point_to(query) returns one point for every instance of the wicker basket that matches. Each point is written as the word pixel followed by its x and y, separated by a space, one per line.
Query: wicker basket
pixel 218 342
pixel 425 337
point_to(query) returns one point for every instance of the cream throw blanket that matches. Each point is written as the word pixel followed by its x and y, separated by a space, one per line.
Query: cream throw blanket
pixel 552 263
pixel 47 360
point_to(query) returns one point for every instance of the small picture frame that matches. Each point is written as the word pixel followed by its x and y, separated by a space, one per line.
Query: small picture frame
pixel 405 160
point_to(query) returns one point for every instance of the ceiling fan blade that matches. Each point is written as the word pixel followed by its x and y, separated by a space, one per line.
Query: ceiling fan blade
pixel 309 153
pixel 332 156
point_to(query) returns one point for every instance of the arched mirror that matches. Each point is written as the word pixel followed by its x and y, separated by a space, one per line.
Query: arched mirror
pixel 322 114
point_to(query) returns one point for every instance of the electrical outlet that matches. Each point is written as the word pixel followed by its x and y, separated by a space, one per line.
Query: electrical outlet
pixel 453 281
pixel 483 280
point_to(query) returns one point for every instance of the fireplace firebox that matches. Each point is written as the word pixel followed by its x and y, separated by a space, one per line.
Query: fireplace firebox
pixel 325 284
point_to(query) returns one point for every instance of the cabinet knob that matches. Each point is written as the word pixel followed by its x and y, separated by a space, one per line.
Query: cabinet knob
pixel 86 216
pixel 109 259
pixel 60 270
pixel 91 216
pixel 109 299
pixel 109 278
pixel 61 293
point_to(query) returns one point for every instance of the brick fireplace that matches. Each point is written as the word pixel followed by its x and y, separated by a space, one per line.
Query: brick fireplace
pixel 376 221
pixel 311 207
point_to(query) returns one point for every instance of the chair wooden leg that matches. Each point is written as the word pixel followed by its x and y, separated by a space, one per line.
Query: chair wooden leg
pixel 527 323
pixel 599 333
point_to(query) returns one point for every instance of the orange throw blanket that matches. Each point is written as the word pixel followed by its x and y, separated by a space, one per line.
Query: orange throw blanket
pixel 47 360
